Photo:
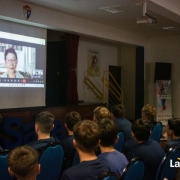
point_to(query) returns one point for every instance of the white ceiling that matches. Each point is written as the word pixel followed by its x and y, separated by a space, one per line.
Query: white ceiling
pixel 167 13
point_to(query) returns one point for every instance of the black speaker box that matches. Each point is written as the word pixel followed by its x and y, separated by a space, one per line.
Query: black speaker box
pixel 162 71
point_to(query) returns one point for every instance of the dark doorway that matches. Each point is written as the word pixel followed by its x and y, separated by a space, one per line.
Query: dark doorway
pixel 116 73
pixel 57 74
pixel 139 84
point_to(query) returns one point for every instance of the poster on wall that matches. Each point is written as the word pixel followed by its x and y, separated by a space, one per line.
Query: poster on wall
pixel 163 100
pixel 93 63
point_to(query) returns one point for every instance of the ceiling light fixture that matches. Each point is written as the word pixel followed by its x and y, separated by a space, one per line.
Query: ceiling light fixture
pixel 115 9
pixel 170 28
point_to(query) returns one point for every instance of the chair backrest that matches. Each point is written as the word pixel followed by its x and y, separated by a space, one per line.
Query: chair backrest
pixel 76 159
pixel 134 170
pixel 4 174
pixel 165 170
pixel 119 145
pixel 51 161
pixel 108 176
pixel 156 132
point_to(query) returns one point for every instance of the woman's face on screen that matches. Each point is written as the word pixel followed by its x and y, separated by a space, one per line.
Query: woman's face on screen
pixel 11 62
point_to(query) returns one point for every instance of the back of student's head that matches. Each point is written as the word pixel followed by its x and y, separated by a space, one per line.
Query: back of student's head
pixel 149 112
pixel 45 121
pixel 108 132
pixel 118 110
pixel 23 162
pixel 87 134
pixel 72 118
pixel 141 129
pixel 174 125
pixel 100 113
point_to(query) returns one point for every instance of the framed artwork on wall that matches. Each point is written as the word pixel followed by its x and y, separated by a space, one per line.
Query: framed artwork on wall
pixel 93 63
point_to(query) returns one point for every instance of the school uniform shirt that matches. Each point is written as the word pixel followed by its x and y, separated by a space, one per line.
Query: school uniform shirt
pixel 173 143
pixel 115 160
pixel 86 170
pixel 69 151
pixel 151 153
pixel 40 144
pixel 125 126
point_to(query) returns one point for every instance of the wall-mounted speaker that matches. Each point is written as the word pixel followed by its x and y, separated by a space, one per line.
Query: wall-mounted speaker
pixel 162 71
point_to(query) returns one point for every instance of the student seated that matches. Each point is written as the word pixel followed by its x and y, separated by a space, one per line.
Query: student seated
pixel 173 130
pixel 71 119
pixel 44 124
pixel 124 125
pixel 149 150
pixel 115 160
pixel 23 163
pixel 100 113
pixel 149 114
pixel 86 139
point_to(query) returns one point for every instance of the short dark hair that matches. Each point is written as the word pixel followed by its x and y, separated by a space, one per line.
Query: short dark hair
pixel 23 160
pixel 72 118
pixel 174 125
pixel 118 110
pixel 10 50
pixel 45 121
pixel 87 134
pixel 141 129
pixel 109 132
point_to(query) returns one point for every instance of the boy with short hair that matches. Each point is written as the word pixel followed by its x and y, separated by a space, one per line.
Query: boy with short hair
pixel 100 113
pixel 149 150
pixel 44 123
pixel 86 139
pixel 124 125
pixel 109 136
pixel 71 119
pixel 173 130
pixel 23 163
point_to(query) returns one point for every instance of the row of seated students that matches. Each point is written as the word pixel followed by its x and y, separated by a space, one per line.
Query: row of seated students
pixel 85 136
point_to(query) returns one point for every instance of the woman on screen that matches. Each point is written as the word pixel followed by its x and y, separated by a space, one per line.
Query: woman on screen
pixel 11 60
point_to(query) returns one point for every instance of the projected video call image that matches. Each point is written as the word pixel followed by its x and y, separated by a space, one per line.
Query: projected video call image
pixel 22 65
pixel 18 62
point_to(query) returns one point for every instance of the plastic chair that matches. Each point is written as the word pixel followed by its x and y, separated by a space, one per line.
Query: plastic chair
pixel 76 159
pixel 51 161
pixel 156 132
pixel 4 174
pixel 119 145
pixel 108 176
pixel 164 170
pixel 134 170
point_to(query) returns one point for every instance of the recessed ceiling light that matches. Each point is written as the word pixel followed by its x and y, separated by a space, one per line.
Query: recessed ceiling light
pixel 170 28
pixel 115 9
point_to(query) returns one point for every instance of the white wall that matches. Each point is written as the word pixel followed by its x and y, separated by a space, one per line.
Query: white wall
pixel 50 19
pixel 108 56
pixel 165 49
pixel 127 62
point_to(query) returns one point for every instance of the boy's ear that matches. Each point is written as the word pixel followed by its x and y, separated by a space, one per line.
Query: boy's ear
pixel 99 143
pixel 75 143
pixel 10 172
pixel 132 134
pixel 52 127
pixel 65 125
pixel 38 169
pixel 36 128
pixel 116 140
